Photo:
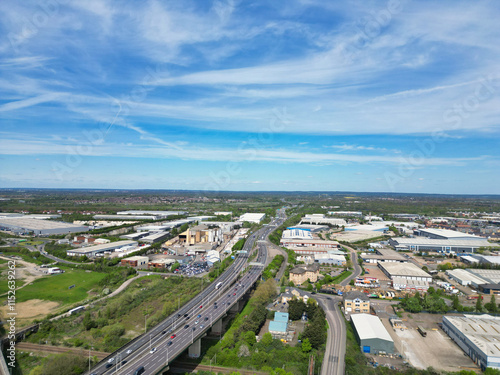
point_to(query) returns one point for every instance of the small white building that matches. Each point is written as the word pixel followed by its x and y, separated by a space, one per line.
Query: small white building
pixel 252 217
pixel 54 271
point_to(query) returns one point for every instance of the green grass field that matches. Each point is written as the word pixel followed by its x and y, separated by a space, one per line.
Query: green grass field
pixel 55 287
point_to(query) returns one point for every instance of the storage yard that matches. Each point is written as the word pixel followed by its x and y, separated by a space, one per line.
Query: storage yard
pixel 435 350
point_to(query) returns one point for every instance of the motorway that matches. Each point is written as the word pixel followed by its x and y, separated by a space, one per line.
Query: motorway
pixel 202 311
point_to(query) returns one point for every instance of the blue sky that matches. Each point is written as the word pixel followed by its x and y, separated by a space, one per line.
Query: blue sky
pixel 388 96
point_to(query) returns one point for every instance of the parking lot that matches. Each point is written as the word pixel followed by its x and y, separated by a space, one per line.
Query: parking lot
pixel 192 269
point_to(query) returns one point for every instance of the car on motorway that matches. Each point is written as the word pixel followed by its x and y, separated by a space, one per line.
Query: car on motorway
pixel 194 328
pixel 215 306
pixel 201 326
pixel 163 332
pixel 199 316
pixel 186 326
pixel 206 318
pixel 169 343
pixel 139 371
pixel 186 314
pixel 195 323
pixel 173 336
pixel 234 294
pixel 108 365
pixel 201 306
pixel 152 351
pixel 187 317
pixel 128 351
pixel 111 360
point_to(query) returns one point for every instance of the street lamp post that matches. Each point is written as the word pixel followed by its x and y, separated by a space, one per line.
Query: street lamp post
pixel 89 356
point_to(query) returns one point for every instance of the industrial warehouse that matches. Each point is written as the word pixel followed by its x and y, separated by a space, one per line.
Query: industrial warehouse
pixel 371 334
pixel 478 336
pixel 383 255
pixel 39 227
pixel 93 251
pixel 476 278
pixel 440 245
pixel 406 276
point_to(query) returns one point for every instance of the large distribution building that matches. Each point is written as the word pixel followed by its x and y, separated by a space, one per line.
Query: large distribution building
pixel 443 234
pixel 40 227
pixel 475 277
pixel 478 336
pixel 371 334
pixel 92 251
pixel 162 214
pixel 321 219
pixel 440 245
pixel 441 240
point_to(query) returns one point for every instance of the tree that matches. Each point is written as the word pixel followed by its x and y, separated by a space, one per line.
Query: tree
pixel 456 303
pixel 492 305
pixel 266 339
pixel 88 322
pixel 296 308
pixel 174 266
pixel 306 346
pixel 310 287
pixel 249 338
pixel 479 304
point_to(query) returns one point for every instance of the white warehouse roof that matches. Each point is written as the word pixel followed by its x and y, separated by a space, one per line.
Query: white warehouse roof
pixel 252 217
pixel 466 277
pixel 296 234
pixel 403 269
pixel 482 330
pixel 370 327
pixel 448 233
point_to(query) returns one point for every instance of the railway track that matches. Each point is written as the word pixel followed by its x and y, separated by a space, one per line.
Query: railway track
pixel 183 367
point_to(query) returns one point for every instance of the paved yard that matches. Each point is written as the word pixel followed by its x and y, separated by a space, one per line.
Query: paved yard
pixel 436 350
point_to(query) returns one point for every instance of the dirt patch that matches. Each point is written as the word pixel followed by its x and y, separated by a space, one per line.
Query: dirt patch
pixel 26 272
pixel 32 309
pixel 374 271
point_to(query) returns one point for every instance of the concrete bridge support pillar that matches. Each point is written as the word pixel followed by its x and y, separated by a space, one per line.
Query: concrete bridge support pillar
pixel 235 308
pixel 217 327
pixel 195 349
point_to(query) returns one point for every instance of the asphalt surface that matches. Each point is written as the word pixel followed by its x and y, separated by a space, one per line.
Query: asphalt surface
pixel 356 267
pixel 232 289
pixel 333 362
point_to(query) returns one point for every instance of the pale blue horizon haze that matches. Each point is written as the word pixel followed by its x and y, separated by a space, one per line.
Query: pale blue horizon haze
pixel 299 95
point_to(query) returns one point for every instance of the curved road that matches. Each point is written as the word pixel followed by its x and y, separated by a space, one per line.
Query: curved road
pixel 334 361
pixel 356 268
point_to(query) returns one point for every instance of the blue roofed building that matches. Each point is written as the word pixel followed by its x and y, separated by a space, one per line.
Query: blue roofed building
pixel 281 317
pixel 278 329
pixel 279 326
